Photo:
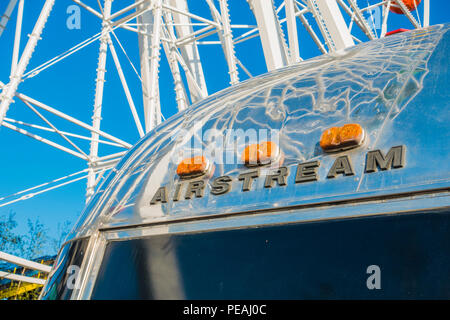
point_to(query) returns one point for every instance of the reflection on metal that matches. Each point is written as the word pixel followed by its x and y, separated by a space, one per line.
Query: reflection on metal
pixel 377 97
pixel 396 171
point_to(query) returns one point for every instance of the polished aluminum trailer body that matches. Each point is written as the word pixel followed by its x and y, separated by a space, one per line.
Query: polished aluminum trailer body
pixel 292 239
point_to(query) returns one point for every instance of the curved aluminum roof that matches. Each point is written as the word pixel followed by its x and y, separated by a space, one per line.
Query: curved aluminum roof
pixel 396 88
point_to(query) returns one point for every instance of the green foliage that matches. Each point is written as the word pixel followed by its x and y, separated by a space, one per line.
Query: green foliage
pixel 32 245
pixel 62 232
pixel 35 242
pixel 9 241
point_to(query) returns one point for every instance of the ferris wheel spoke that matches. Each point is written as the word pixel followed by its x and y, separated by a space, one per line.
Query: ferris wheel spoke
pixel 407 13
pixel 426 13
pixel 272 40
pixel 7 15
pixel 10 90
pixel 313 35
pixel 187 14
pixel 294 51
pixel 195 89
pixel 385 19
pixel 169 49
pixel 63 132
pixel 145 8
pixel 49 186
pixel 126 55
pixel 15 57
pixel 126 89
pixel 71 119
pixel 189 52
pixel 56 130
pixel 98 100
pixel 362 22
pixel 43 140
pixel 244 68
pixel 88 8
pixel 60 57
pixel 127 9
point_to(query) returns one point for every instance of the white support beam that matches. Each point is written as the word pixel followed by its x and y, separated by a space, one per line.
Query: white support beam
pixel 226 37
pixel 17 277
pixel 150 79
pixel 91 10
pixel 331 24
pixel 55 129
pixel 7 15
pixel 24 262
pixel 15 57
pixel 33 194
pixel 407 13
pixel 385 19
pixel 70 119
pixel 272 40
pixel 362 21
pixel 41 139
pixel 63 132
pixel 170 51
pixel 294 51
pixel 98 101
pixel 16 194
pixel 426 13
pixel 10 90
pixel 313 35
pixel 126 89
pixel 125 10
pixel 189 51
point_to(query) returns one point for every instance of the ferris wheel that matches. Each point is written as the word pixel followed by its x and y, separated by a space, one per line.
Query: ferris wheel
pixel 177 31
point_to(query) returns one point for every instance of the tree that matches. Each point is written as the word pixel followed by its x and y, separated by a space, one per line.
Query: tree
pixel 35 241
pixel 32 245
pixel 62 232
pixel 9 241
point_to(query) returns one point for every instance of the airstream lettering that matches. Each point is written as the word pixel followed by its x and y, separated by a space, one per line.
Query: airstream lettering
pixel 306 172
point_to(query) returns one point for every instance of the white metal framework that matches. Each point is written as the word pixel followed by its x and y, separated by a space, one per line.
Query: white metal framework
pixel 24 263
pixel 175 30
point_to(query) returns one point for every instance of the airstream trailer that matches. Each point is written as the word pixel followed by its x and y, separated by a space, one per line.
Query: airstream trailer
pixel 328 179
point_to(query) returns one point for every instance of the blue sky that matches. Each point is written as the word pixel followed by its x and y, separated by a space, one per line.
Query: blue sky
pixel 69 86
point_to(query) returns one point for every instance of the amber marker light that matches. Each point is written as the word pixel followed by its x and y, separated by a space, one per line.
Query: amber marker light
pixel 342 138
pixel 194 167
pixel 261 154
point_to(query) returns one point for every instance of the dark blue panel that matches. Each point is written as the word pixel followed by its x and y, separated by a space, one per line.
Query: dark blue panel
pixel 320 260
